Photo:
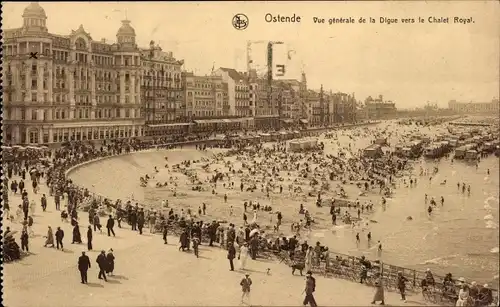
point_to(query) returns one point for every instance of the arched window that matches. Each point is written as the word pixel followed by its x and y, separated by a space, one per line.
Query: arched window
pixel 80 44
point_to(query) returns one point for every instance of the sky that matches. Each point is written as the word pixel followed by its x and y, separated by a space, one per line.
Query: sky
pixel 410 64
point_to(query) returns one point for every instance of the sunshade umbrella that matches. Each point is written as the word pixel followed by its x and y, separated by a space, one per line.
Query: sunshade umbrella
pixel 254 231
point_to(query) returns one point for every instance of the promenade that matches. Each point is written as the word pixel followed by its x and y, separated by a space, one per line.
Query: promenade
pixel 148 273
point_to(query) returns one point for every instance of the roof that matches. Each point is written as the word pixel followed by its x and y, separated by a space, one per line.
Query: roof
pixel 126 29
pixel 34 10
pixel 233 74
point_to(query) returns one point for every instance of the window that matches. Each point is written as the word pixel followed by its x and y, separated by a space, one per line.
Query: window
pixel 33 84
pixel 33 136
pixel 33 115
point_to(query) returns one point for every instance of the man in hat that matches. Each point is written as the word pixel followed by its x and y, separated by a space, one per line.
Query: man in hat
pixel 245 284
pixel 485 295
pixel 83 266
pixel 309 290
pixel 231 254
pixel 109 225
pixel 103 264
pixel 401 283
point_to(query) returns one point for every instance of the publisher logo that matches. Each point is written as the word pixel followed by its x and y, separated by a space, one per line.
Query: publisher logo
pixel 240 21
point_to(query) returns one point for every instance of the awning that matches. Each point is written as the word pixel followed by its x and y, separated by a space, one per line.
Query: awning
pixel 304 121
pixel 209 121
pixel 169 125
pixel 266 116
pixel 287 121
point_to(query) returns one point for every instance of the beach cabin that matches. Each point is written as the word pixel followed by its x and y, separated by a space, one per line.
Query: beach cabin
pixel 398 149
pixel 460 152
pixel 381 141
pixel 471 155
pixel 265 137
pixel 373 152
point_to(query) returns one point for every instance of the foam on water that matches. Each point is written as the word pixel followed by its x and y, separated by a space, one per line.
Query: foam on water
pixel 491 225
pixel 488 217
pixel 440 260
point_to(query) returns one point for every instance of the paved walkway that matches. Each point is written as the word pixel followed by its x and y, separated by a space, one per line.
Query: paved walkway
pixel 150 273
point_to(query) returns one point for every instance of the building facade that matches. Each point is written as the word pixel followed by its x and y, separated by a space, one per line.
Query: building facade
pixel 238 85
pixel 491 107
pixel 61 88
pixel 379 108
pixel 162 92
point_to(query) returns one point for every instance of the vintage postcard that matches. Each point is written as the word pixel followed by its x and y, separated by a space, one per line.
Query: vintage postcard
pixel 250 153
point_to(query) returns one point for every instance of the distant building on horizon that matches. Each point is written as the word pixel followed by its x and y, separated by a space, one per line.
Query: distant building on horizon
pixel 491 107
pixel 379 108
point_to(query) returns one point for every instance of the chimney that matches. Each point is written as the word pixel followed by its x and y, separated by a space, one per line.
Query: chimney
pixel 103 40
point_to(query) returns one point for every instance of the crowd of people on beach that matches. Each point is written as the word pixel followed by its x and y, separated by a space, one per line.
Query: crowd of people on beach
pixel 271 170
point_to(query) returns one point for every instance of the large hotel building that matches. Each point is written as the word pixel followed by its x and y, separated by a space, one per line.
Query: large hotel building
pixel 59 88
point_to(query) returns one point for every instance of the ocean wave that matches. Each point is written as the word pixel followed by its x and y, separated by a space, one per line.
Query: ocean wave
pixel 495 250
pixel 440 260
pixel 492 199
pixel 491 225
pixel 488 217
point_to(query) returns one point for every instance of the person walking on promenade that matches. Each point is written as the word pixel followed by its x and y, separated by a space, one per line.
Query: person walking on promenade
pixel 97 223
pixel 50 238
pixel 245 284
pixel 59 238
pixel 309 290
pixel 89 238
pixel 83 267
pixel 140 222
pixel 152 222
pixel 77 237
pixel 24 241
pixel 25 207
pixel 379 292
pixel 57 201
pixel 243 255
pixel 164 227
pixel 43 200
pixel 231 254
pixel 111 262
pixel 109 225
pixel 103 263
pixel 401 282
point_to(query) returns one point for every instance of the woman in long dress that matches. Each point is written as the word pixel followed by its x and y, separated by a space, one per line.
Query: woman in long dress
pixel 77 237
pixel 308 260
pixel 379 292
pixel 111 262
pixel 254 219
pixel 243 255
pixel 463 295
pixel 50 238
